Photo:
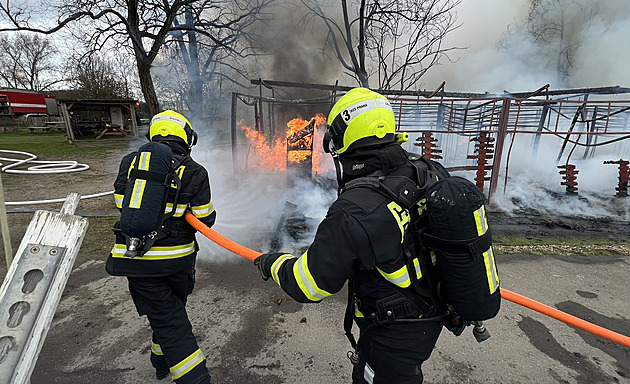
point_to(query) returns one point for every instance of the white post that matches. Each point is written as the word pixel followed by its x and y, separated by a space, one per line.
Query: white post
pixel 4 224
pixel 32 288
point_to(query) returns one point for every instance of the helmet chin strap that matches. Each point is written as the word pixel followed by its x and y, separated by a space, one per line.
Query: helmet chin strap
pixel 340 182
pixel 329 147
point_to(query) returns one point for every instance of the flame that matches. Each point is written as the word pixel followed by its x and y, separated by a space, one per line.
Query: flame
pixel 263 155
pixel 295 147
pixel 296 126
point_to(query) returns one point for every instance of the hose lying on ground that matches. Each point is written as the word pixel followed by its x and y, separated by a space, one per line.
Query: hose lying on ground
pixel 33 202
pixel 505 294
pixel 45 167
pixel 60 166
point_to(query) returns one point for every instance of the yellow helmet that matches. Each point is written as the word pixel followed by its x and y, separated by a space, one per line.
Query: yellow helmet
pixel 173 125
pixel 360 118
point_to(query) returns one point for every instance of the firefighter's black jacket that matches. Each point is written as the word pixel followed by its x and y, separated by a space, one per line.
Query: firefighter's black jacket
pixel 176 251
pixel 361 236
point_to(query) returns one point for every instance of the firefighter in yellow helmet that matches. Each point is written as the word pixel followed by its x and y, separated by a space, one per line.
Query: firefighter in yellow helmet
pixel 361 241
pixel 161 272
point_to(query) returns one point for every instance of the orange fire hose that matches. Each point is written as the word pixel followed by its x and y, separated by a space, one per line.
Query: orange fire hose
pixel 505 294
pixel 221 240
pixel 565 317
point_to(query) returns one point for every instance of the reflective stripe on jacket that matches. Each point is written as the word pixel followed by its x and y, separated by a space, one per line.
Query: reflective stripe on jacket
pixel 177 250
pixel 361 235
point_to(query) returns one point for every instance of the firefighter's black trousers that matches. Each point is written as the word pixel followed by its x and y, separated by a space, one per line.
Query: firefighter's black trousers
pixel 163 301
pixel 394 353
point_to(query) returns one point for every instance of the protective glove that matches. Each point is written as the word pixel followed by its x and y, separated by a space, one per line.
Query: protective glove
pixel 264 263
pixel 259 265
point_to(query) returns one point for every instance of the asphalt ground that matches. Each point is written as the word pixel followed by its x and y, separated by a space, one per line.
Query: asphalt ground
pixel 252 332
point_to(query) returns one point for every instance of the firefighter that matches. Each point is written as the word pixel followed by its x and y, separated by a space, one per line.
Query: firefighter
pixel 361 241
pixel 161 279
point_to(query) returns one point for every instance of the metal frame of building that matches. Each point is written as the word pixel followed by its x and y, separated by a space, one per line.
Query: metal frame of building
pixel 443 122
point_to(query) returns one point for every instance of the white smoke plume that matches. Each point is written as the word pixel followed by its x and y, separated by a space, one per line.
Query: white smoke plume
pixel 534 185
pixel 250 206
pixel 603 49
pixel 255 208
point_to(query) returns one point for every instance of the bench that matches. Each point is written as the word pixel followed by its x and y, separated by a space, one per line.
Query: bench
pixel 58 125
pixel 39 129
pixel 50 126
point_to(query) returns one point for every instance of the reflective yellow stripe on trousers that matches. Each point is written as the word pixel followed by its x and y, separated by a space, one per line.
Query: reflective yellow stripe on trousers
pixel 187 364
pixel 488 256
pixel 156 349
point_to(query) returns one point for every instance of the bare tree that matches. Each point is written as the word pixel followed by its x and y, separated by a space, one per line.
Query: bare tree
pixel 557 27
pixel 95 77
pixel 393 42
pixel 140 26
pixel 221 56
pixel 27 61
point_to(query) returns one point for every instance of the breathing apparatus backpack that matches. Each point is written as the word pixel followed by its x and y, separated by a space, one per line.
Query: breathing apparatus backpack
pixel 459 233
pixel 143 214
pixel 450 239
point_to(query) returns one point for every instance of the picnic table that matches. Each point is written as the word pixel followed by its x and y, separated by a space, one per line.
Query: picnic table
pixel 56 125
pixel 111 128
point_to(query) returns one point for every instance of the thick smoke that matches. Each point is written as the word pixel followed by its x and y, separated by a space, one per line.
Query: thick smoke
pixel 300 53
pixel 598 30
pixel 256 209
pixel 250 206
pixel 605 50
pixel 534 184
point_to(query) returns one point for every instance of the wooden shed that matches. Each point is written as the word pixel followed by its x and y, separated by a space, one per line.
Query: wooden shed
pixel 84 117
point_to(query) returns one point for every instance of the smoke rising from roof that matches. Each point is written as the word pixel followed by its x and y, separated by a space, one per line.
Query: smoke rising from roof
pixel 299 52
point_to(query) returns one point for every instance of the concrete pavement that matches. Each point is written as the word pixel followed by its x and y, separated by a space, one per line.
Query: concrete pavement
pixel 253 333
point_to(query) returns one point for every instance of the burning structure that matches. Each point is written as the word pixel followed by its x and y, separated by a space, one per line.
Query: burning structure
pixel 290 150
pixel 566 140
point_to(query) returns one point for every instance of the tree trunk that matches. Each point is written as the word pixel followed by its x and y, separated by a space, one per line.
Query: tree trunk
pixel 196 82
pixel 147 86
pixel 363 78
pixel 196 97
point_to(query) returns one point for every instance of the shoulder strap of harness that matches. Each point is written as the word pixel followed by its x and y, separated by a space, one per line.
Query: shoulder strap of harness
pixel 348 317
pixel 401 188
pixel 408 194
